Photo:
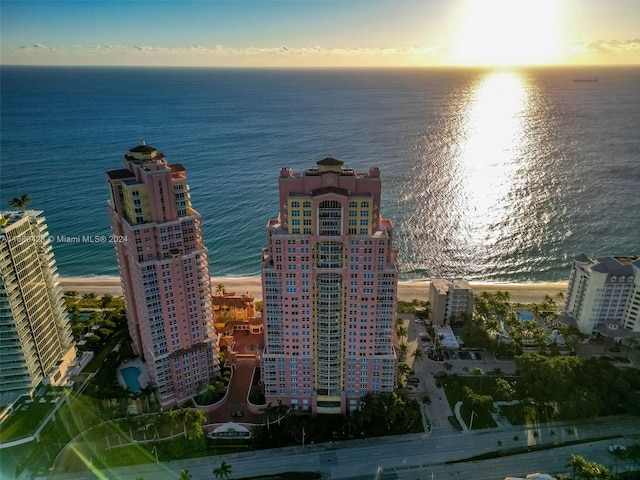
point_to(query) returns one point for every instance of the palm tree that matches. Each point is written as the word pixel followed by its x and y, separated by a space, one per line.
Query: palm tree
pixel 632 341
pixel 90 296
pixel 223 472
pixel 402 331
pixel 20 202
pixel 220 290
pixel 268 411
pixel 633 453
pixel 426 310
pixel 282 410
pixel 576 462
pixel 403 369
pixel 404 349
pixel 418 354
pixel 195 420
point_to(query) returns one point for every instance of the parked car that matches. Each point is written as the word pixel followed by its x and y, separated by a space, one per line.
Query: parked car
pixel 413 381
pixel 472 355
pixel 438 383
pixel 478 356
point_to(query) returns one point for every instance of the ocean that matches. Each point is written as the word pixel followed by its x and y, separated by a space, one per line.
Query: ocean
pixel 493 175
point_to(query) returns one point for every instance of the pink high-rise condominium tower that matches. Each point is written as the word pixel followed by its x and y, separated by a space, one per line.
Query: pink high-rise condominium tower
pixel 329 280
pixel 164 268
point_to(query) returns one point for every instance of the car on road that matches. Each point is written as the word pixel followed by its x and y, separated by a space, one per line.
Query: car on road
pixel 472 355
pixel 617 449
pixel 237 413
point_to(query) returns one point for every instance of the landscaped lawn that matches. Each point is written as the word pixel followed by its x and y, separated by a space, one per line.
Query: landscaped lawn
pixel 98 359
pixel 481 385
pixel 23 423
pixel 526 414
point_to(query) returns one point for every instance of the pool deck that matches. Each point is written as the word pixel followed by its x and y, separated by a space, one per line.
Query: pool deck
pixel 143 378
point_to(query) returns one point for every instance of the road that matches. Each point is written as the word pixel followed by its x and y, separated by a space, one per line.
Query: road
pixel 410 457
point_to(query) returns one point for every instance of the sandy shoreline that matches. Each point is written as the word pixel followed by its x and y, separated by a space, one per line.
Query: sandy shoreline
pixel 408 290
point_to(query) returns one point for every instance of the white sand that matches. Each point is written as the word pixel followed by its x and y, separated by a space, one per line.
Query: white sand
pixel 520 292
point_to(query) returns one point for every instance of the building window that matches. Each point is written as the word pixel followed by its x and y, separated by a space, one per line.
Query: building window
pixel 330 218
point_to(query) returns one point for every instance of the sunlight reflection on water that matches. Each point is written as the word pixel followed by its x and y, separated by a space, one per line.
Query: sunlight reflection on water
pixel 477 185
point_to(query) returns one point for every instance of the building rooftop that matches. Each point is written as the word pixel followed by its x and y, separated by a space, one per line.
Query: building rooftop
pixel 323 190
pixel 120 174
pixel 143 148
pixel 12 216
pixel 330 162
pixel 617 265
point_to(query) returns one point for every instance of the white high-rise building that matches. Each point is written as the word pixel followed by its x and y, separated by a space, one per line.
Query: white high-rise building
pixel 603 295
pixel 36 344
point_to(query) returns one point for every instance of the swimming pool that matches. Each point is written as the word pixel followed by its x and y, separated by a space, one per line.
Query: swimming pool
pixel 130 375
pixel 524 315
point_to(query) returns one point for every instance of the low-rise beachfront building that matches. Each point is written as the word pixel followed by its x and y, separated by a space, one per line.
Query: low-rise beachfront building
pixel 329 280
pixel 164 269
pixel 603 295
pixel 450 300
pixel 36 344
pixel 235 312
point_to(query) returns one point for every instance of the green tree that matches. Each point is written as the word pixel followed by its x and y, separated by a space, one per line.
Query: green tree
pixel 633 454
pixel 269 412
pixel 418 355
pixel 105 301
pixel 20 202
pixel 403 349
pixel 582 468
pixel 632 341
pixel 194 421
pixel 403 370
pixel 223 472
pixel 185 475
pixel 220 289
pixel 402 331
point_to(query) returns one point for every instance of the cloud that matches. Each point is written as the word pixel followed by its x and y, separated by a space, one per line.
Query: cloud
pixel 610 46
pixel 37 47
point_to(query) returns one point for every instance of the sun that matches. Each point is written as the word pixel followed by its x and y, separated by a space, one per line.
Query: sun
pixel 508 32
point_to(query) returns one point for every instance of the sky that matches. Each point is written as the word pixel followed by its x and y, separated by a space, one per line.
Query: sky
pixel 311 33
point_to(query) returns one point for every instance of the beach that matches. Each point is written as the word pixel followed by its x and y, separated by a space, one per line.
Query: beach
pixel 519 292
